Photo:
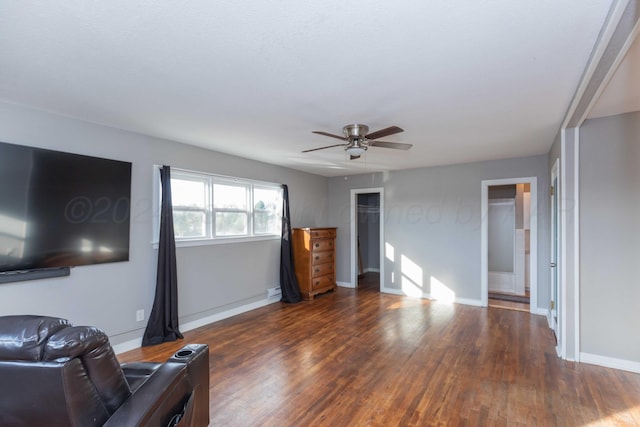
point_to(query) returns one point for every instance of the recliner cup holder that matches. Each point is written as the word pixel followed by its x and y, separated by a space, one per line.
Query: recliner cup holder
pixel 189 353
pixel 184 353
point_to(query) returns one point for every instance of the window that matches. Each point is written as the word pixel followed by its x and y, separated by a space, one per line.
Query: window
pixel 267 210
pixel 189 197
pixel 230 206
pixel 215 208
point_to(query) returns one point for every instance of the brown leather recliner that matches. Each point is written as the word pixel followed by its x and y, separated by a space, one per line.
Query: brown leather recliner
pixel 55 374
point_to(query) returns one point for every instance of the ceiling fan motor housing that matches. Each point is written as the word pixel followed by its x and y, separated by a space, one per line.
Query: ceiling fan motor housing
pixel 355 131
pixel 356 139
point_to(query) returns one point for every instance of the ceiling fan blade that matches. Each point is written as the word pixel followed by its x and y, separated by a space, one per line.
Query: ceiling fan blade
pixel 322 148
pixel 353 157
pixel 391 130
pixel 329 134
pixel 394 145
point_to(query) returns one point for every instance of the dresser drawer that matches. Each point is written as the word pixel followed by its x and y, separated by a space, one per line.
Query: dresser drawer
pixel 322 282
pixel 323 233
pixel 320 245
pixel 321 258
pixel 322 269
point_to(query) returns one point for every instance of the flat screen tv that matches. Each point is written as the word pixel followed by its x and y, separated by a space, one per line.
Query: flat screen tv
pixel 61 210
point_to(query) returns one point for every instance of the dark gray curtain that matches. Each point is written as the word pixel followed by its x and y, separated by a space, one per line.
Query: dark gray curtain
pixel 288 281
pixel 163 321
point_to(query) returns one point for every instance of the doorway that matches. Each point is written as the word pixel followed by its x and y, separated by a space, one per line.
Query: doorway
pixel 508 246
pixel 367 231
pixel 509 243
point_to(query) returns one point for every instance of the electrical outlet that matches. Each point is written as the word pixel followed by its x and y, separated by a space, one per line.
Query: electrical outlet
pixel 139 315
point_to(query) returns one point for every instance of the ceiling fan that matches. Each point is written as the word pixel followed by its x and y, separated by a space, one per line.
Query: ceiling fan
pixel 357 139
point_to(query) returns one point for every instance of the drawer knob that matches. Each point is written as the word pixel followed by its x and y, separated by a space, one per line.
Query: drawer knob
pixel 317 257
pixel 317 270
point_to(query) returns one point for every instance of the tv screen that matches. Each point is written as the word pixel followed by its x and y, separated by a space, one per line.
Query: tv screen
pixel 61 209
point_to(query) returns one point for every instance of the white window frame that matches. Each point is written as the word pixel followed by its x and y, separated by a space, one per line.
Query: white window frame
pixel 211 179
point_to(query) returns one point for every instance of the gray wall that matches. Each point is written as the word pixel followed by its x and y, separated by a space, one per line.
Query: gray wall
pixel 211 278
pixel 554 153
pixel 432 218
pixel 609 233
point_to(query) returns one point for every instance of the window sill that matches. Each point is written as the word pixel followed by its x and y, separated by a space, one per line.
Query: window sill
pixel 220 241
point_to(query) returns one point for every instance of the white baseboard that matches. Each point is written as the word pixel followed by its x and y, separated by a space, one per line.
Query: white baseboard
pixel 137 342
pixel 225 314
pixel 540 312
pixel 345 285
pixel 610 362
pixel 463 301
pixel 127 345
pixel 393 291
pixel 467 301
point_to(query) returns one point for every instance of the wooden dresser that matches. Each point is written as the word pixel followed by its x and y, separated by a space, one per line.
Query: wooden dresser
pixel 315 260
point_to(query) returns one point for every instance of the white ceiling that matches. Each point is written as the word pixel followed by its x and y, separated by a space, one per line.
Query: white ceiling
pixel 468 80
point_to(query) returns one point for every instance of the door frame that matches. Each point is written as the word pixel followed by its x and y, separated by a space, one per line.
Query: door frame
pixel 555 281
pixel 533 240
pixel 354 229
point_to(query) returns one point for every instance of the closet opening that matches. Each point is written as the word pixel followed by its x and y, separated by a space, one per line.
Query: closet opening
pixel 367 233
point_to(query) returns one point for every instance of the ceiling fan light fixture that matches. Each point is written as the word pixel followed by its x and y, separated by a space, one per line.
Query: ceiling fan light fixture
pixel 355 150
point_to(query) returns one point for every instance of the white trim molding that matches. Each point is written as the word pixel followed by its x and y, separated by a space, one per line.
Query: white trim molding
pixel 573 117
pixel 610 362
pixel 562 255
pixel 576 242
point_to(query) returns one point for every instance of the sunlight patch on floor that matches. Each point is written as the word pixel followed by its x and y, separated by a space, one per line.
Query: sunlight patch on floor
pixel 622 418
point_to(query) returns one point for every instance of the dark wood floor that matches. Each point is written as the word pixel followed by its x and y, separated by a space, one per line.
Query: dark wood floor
pixel 362 358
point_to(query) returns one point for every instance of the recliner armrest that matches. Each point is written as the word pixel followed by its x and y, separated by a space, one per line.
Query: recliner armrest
pixel 157 400
pixel 182 379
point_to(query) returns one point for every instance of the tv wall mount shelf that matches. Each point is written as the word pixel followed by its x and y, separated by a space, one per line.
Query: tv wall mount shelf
pixel 40 273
